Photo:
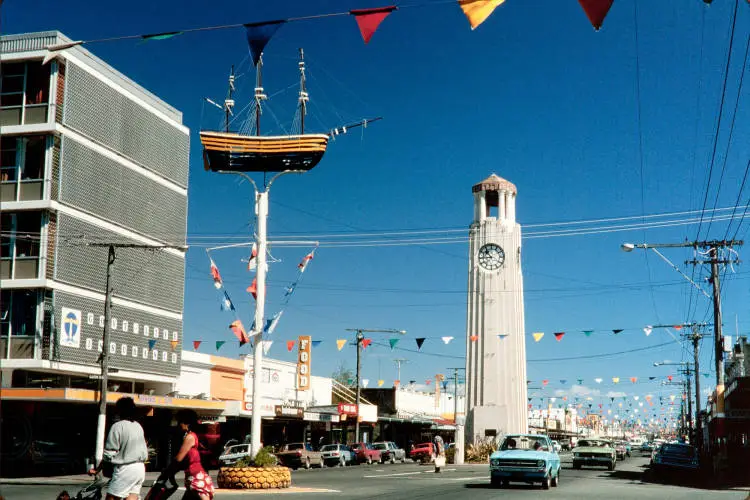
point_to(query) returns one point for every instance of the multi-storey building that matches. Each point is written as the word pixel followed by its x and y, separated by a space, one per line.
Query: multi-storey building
pixel 87 156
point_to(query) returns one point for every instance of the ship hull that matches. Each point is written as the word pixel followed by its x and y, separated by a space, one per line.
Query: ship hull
pixel 231 152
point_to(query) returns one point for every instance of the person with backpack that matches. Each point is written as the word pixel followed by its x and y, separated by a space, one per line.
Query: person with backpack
pixel 197 480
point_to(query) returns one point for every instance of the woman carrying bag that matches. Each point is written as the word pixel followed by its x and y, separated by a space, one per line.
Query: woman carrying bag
pixel 439 453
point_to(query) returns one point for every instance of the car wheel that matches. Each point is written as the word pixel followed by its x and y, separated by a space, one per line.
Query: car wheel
pixel 322 464
pixel 576 465
pixel 556 479
pixel 611 466
pixel 342 462
pixel 547 482
pixel 393 459
pixel 369 460
pixel 496 482
pixel 307 463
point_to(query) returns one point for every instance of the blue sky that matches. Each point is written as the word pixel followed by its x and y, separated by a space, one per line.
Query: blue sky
pixel 534 95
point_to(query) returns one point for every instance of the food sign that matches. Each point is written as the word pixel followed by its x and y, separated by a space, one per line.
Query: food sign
pixel 303 362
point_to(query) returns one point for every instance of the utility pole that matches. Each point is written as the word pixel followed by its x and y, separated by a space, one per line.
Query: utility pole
pixel 458 439
pixel 695 337
pixel 104 356
pixel 713 252
pixel 398 362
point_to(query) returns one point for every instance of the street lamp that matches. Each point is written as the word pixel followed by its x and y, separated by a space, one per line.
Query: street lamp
pixel 629 247
pixel 360 337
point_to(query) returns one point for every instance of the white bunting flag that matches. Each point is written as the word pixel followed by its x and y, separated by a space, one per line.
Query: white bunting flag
pixel 447 340
pixel 266 346
pixel 648 330
pixel 365 382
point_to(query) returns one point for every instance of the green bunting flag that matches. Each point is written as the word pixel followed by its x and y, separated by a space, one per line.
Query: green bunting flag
pixel 220 343
pixel 588 332
pixel 393 343
pixel 161 36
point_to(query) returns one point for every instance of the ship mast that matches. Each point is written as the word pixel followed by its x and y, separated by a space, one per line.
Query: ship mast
pixel 303 96
pixel 229 102
pixel 259 95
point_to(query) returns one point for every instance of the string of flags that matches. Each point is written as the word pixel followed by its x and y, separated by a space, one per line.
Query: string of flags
pixel 368 20
pixel 648 329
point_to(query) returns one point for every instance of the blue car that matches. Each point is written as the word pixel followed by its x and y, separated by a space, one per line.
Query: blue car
pixel 525 458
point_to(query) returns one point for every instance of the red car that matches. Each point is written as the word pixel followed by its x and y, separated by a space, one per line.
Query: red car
pixel 422 452
pixel 365 453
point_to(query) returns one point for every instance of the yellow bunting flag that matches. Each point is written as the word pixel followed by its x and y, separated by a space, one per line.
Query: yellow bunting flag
pixel 380 383
pixel 537 336
pixel 174 344
pixel 340 343
pixel 477 11
pixel 615 379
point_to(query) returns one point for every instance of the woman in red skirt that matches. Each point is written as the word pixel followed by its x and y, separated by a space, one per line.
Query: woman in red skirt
pixel 197 480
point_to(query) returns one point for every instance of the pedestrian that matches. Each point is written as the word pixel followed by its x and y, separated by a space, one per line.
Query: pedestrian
pixel 126 450
pixel 197 480
pixel 439 453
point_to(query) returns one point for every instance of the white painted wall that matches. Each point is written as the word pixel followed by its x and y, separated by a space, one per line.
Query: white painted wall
pixel 195 374
pixel 423 403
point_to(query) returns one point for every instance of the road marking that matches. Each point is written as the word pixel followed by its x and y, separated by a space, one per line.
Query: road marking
pixel 397 474
pixel 483 478
pixel 275 491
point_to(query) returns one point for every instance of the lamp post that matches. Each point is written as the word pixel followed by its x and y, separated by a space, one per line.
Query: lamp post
pixel 360 337
pixel 261 213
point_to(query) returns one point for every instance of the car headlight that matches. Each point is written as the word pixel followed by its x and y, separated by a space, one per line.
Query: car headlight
pixel 576 455
pixel 495 461
pixel 540 464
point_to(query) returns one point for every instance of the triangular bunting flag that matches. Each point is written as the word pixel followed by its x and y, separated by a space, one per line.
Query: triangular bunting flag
pixel 396 383
pixel 307 258
pixel 290 345
pixel 648 329
pixel 474 338
pixel 380 383
pixel 174 344
pixel 559 336
pixel 596 11
pixel 151 344
pixel 252 261
pixel 669 377
pixel 537 336
pixel 598 380
pixel 196 344
pixel 239 332
pixel 563 381
pixel 580 381
pixel 615 379
pixel 368 20
pixel 253 288
pixel 266 344
pixel 366 343
pixel 226 303
pixel 477 11
pixel 316 343
pixel 393 342
pixel 447 340
pixel 428 381
pixel 677 327
pixel 445 386
pixel 290 289
pixel 634 379
pixel 271 323
pixel 501 336
pixel 420 341
pixel 365 382
pixel 220 343
pixel 161 36
pixel 215 274
pixel 545 382
pixel 340 343
pixel 617 331
pixel 588 332
pixel 258 35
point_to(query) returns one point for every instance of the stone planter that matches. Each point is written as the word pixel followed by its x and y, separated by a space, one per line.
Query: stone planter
pixel 254 478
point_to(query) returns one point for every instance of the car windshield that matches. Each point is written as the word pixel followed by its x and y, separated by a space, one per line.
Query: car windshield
pixel 423 445
pixel 379 446
pixel 330 447
pixel 237 448
pixel 522 443
pixel 675 449
pixel 593 443
pixel 296 446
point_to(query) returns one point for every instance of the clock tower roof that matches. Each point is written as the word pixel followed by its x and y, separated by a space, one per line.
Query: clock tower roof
pixel 494 183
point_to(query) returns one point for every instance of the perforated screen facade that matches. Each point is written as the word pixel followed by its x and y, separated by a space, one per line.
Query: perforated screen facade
pixel 139 341
pixel 111 118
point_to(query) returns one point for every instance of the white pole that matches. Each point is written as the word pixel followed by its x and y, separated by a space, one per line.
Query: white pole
pixel 261 209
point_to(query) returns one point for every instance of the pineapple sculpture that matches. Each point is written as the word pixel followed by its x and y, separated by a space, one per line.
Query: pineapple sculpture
pixel 257 474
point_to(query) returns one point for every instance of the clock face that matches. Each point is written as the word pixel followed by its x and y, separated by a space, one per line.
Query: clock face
pixel 491 257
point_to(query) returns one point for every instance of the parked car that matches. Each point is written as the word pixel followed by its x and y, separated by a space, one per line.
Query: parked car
pixel 365 453
pixel 647 447
pixel 620 450
pixel 594 452
pixel 390 452
pixel 557 446
pixel 422 453
pixel 233 453
pixel 337 454
pixel 296 455
pixel 673 458
pixel 527 458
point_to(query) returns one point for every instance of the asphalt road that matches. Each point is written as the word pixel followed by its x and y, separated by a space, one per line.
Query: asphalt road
pixel 413 482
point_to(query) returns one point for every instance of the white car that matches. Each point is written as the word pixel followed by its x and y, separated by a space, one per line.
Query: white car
pixel 557 446
pixel 234 453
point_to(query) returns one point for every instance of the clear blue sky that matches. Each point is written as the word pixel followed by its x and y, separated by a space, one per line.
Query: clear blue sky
pixel 534 94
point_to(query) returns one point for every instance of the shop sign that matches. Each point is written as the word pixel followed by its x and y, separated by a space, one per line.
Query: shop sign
pixel 320 417
pixel 303 362
pixel 347 409
pixel 288 411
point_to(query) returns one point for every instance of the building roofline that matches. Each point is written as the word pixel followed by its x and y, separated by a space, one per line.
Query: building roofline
pixel 40 40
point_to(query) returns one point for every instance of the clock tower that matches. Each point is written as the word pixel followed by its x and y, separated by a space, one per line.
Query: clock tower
pixel 495 335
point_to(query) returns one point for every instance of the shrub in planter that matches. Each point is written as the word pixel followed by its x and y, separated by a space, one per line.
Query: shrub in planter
pixel 450 455
pixel 260 473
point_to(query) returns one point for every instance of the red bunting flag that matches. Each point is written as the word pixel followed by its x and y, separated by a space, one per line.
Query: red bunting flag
pixel 677 327
pixel 290 345
pixel 545 382
pixel 307 258
pixel 366 342
pixel 239 332
pixel 215 274
pixel 596 11
pixel 669 377
pixel 252 262
pixel 428 381
pixel 368 20
pixel 559 336
pixel 634 379
pixel 396 383
pixel 253 288
pixel 196 344
pixel 474 338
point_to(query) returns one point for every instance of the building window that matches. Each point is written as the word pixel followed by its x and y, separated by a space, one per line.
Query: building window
pixel 20 234
pixel 22 161
pixel 18 310
pixel 24 93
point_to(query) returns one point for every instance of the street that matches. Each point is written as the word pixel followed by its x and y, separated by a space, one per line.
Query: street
pixel 412 481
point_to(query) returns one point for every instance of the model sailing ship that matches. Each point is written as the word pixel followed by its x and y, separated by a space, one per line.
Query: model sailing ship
pixel 236 152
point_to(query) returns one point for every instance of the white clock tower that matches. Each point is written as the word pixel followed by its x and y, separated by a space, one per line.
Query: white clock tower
pixel 495 335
